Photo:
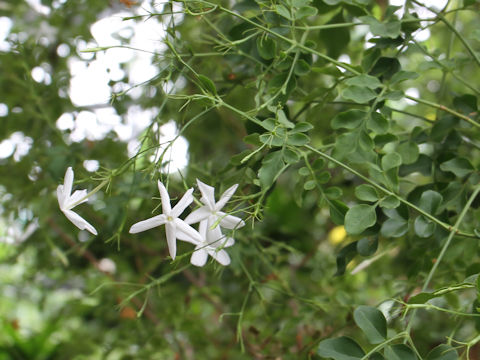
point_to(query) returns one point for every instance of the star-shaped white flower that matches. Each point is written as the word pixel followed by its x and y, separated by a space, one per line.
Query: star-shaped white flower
pixel 211 209
pixel 213 242
pixel 67 201
pixel 173 225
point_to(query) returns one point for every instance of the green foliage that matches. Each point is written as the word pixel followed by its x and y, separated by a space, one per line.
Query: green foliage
pixel 354 144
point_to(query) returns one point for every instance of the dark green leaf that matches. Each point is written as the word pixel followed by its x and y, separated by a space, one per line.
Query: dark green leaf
pixel 372 322
pixel 283 11
pixel 395 227
pixel 367 246
pixel 389 202
pixel 399 352
pixel 305 11
pixel 297 139
pixel 301 68
pixel 310 185
pixel 421 298
pixel 333 192
pixel 442 352
pixel 272 165
pixel 335 40
pixel 342 348
pixel 266 47
pixel 430 201
pixel 349 119
pixel 301 127
pixel 386 67
pixel 366 193
pixel 359 94
pixel 402 76
pixel 359 217
pixel 377 123
pixel 290 156
pixel 459 166
pixel 207 84
pixel 424 227
pixel 337 211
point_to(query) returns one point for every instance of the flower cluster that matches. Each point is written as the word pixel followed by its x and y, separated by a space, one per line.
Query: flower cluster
pixel 208 238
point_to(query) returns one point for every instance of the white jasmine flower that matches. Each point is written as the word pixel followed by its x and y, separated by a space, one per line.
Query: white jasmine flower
pixel 173 225
pixel 67 201
pixel 211 209
pixel 212 243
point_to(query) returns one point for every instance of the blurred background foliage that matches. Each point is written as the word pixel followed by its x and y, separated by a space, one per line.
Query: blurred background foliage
pixel 296 275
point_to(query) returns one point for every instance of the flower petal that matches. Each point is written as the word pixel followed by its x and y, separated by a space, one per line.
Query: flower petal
pixel 68 182
pixel 166 207
pixel 225 197
pixel 182 204
pixel 75 197
pixel 148 224
pixel 230 221
pixel 208 194
pixel 187 230
pixel 198 215
pixel 214 236
pixel 61 196
pixel 221 256
pixel 79 222
pixel 187 238
pixel 199 256
pixel 170 230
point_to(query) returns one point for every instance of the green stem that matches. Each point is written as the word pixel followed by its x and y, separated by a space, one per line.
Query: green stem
pixel 97 189
pixel 453 230
pixel 443 108
pixel 388 192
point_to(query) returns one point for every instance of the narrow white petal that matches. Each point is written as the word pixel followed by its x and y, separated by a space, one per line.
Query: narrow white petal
pixel 208 194
pixel 76 196
pixel 214 236
pixel 68 181
pixel 79 222
pixel 199 257
pixel 187 229
pixel 148 224
pixel 202 229
pixel 187 238
pixel 221 256
pixel 166 207
pixel 230 221
pixel 225 197
pixel 61 196
pixel 198 215
pixel 182 204
pixel 170 230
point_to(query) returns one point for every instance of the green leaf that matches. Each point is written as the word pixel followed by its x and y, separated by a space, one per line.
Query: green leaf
pixel 459 166
pixel 266 47
pixel 305 11
pixel 442 352
pixel 290 156
pixel 367 246
pixel 430 201
pixel 301 127
pixel 323 177
pixel 424 227
pixel 390 29
pixel 364 80
pixel 272 166
pixel 359 94
pixel 402 76
pixel 359 217
pixel 377 123
pixel 310 185
pixel 333 192
pixel 408 152
pixel 391 160
pixel 297 139
pixel 372 322
pixel 282 119
pixel 366 193
pixel 350 119
pixel 337 211
pixel 335 40
pixel 389 202
pixel 342 348
pixel 301 68
pixel 421 298
pixel 399 352
pixel 346 143
pixel 386 67
pixel 395 227
pixel 283 11
pixel 207 84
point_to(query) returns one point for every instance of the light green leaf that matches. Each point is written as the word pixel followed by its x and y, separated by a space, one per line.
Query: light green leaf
pixel 283 11
pixel 366 193
pixel 442 352
pixel 301 127
pixel 359 94
pixel 272 166
pixel 424 227
pixel 402 76
pixel 372 322
pixel 266 47
pixel 305 11
pixel 430 201
pixel 364 80
pixel 390 29
pixel 389 202
pixel 408 152
pixel 395 227
pixel 391 160
pixel 359 218
pixel 342 348
pixel 377 123
pixel 297 139
pixel 348 119
pixel 399 352
pixel 207 84
pixel 459 166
